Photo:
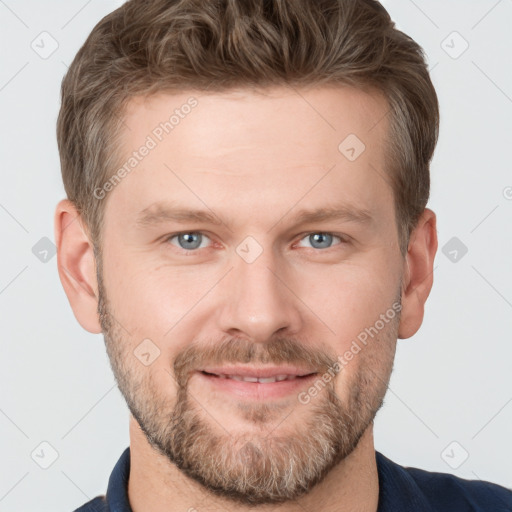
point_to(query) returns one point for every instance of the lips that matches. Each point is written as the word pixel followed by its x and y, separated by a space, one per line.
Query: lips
pixel 263 375
pixel 256 383
pixel 262 380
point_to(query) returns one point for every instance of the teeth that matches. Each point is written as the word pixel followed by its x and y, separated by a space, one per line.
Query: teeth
pixel 262 380
pixel 267 380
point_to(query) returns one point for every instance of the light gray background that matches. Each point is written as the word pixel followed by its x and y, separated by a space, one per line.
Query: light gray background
pixel 451 389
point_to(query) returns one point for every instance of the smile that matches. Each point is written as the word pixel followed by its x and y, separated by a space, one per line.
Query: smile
pixel 251 378
pixel 257 383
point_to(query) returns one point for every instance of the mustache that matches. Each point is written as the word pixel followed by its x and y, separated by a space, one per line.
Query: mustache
pixel 242 351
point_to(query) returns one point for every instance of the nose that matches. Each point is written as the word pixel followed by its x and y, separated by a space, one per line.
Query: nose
pixel 258 299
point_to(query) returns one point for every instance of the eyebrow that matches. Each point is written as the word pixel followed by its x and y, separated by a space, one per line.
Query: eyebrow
pixel 159 213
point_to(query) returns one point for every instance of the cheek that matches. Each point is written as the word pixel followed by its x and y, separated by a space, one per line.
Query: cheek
pixel 350 298
pixel 145 297
pixel 366 359
pixel 351 304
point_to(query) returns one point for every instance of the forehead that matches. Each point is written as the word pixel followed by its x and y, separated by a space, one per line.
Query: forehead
pixel 317 115
pixel 249 149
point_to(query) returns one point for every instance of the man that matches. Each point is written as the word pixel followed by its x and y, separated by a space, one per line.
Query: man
pixel 246 223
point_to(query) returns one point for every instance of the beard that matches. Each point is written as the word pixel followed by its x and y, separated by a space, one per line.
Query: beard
pixel 255 466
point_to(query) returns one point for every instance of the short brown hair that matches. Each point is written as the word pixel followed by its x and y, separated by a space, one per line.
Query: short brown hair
pixel 150 46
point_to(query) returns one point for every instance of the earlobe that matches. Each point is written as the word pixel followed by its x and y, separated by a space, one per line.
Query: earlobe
pixel 77 265
pixel 418 274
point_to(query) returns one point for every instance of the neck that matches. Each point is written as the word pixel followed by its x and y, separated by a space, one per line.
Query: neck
pixel 158 485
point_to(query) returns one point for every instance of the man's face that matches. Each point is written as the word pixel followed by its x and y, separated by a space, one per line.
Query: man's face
pixel 203 320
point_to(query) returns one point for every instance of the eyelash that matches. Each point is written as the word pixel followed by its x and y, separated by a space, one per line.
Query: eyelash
pixel 343 241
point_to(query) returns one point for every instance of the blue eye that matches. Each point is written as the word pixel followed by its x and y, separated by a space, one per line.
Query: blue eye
pixel 189 241
pixel 321 240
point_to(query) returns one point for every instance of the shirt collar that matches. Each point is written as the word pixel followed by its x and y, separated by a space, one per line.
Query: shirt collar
pixel 398 492
pixel 117 490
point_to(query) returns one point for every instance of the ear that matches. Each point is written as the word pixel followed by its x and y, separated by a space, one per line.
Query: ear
pixel 77 265
pixel 418 274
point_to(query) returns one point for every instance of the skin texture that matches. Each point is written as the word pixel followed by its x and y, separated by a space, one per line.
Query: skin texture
pixel 254 161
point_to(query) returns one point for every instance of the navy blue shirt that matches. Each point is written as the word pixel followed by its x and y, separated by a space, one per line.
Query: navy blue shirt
pixel 401 489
